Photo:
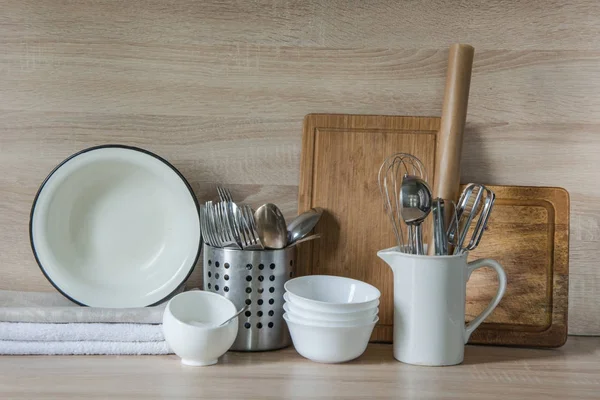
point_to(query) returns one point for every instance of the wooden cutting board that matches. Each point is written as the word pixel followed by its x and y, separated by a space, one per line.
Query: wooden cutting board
pixel 341 156
pixel 528 231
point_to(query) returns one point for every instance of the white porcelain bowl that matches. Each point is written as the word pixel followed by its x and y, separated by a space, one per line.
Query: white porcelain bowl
pixel 332 293
pixel 115 226
pixel 328 316
pixel 191 326
pixel 307 319
pixel 329 344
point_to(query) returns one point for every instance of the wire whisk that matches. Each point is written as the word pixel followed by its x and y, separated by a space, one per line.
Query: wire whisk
pixel 391 173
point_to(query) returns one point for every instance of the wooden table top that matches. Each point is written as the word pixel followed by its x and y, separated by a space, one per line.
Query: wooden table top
pixel 571 372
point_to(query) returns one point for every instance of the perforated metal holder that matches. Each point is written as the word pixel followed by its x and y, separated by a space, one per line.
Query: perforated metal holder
pixel 254 278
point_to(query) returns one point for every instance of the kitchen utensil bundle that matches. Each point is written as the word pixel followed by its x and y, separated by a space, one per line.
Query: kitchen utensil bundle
pixel 229 225
pixel 330 318
pixel 253 278
pixel 407 200
pixel 248 257
pixel 224 224
pixel 429 305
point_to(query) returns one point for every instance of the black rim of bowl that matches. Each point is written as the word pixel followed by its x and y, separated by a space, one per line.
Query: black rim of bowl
pixel 118 146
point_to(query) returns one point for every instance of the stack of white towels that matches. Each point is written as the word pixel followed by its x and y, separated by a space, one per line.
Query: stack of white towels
pixel 48 323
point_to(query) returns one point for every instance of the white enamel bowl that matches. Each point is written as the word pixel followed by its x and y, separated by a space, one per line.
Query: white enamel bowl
pixel 115 226
pixel 191 326
pixel 302 316
pixel 327 344
pixel 334 294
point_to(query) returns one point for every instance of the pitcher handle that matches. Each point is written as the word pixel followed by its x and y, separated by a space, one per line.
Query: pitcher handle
pixel 472 266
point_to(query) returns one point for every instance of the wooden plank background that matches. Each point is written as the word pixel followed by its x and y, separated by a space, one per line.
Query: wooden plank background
pixel 220 89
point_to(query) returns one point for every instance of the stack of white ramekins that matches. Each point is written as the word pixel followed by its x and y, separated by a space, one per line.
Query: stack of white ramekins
pixel 330 318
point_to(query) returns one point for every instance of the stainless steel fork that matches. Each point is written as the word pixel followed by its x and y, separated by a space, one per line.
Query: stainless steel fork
pixel 249 226
pixel 224 194
pixel 226 227
pixel 203 229
pixel 208 226
pixel 232 210
pixel 237 227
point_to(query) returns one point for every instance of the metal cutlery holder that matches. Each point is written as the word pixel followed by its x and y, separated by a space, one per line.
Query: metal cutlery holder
pixel 254 278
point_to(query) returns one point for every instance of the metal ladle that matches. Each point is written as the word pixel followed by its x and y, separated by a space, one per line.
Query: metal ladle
pixel 415 206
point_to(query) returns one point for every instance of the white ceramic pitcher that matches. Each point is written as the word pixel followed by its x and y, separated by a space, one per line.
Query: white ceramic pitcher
pixel 429 305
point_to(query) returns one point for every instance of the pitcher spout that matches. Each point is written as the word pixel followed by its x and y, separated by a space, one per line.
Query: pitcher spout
pixel 390 256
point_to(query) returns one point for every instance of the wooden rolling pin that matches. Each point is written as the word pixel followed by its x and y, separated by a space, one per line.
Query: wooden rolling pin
pixel 452 126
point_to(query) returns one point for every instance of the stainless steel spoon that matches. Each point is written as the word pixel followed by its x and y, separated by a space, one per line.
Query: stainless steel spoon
pixel 415 206
pixel 236 314
pixel 303 224
pixel 305 239
pixel 270 226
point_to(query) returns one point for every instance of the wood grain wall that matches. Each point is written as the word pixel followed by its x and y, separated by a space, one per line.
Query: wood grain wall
pixel 220 89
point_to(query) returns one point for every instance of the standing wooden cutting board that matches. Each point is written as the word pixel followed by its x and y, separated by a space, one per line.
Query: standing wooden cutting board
pixel 341 156
pixel 528 231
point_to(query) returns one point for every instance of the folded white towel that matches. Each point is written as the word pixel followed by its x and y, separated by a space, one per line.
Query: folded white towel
pixel 97 332
pixel 16 306
pixel 48 323
pixel 80 348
